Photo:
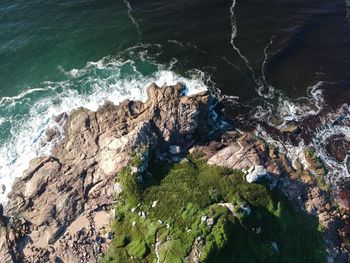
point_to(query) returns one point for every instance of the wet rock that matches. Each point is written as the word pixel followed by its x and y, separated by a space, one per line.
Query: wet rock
pixel 60 118
pixel 338 147
pixel 2 189
pixel 52 133
pixel 290 127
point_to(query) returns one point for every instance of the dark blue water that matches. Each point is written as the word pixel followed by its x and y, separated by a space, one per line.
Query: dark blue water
pixel 284 60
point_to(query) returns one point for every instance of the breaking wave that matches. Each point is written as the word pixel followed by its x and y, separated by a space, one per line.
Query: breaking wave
pixel 25 117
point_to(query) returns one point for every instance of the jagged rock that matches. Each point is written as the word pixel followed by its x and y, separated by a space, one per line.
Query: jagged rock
pixel 78 177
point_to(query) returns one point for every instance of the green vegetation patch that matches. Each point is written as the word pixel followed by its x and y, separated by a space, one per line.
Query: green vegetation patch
pixel 193 210
pixel 317 166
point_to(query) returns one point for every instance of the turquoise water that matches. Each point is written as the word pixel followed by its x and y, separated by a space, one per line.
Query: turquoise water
pixel 59 55
pixel 40 38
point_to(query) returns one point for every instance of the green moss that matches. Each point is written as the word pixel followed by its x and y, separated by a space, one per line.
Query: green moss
pixel 188 196
pixel 138 249
pixel 130 185
pixel 121 241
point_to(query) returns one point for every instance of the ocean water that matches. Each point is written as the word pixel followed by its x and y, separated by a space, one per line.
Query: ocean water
pixel 284 59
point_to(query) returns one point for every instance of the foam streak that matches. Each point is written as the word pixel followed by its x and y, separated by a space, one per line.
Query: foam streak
pixel 128 5
pixel 234 35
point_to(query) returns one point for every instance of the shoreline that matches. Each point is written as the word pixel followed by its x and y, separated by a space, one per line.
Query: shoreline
pixel 97 145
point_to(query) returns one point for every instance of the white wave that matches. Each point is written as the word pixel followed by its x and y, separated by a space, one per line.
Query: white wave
pixel 336 124
pixel 337 169
pixel 7 100
pixel 285 110
pixel 332 124
pixel 174 41
pixel 266 58
pixel 86 87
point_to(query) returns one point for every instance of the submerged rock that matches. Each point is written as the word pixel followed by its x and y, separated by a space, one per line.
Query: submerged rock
pixel 175 149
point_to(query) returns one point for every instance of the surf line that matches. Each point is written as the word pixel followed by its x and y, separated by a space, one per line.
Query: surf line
pixel 128 5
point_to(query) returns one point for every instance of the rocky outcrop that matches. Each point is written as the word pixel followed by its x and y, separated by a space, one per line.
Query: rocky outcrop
pixel 60 209
pixel 62 198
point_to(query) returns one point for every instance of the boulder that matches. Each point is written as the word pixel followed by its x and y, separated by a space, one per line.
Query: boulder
pixel 256 173
pixel 290 127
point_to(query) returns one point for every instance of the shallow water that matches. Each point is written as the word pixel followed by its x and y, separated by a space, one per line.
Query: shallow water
pixel 283 59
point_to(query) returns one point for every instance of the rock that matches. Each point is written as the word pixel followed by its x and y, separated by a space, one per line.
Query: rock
pixel 256 173
pixel 174 149
pixel 60 118
pixel 338 147
pixel 154 204
pixel 40 177
pixel 2 189
pixel 210 222
pixel 134 170
pixel 290 127
pixel 275 247
pixel 117 188
pixel 52 133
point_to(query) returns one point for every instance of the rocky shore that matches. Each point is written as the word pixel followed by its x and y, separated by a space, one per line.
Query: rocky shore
pixel 60 210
